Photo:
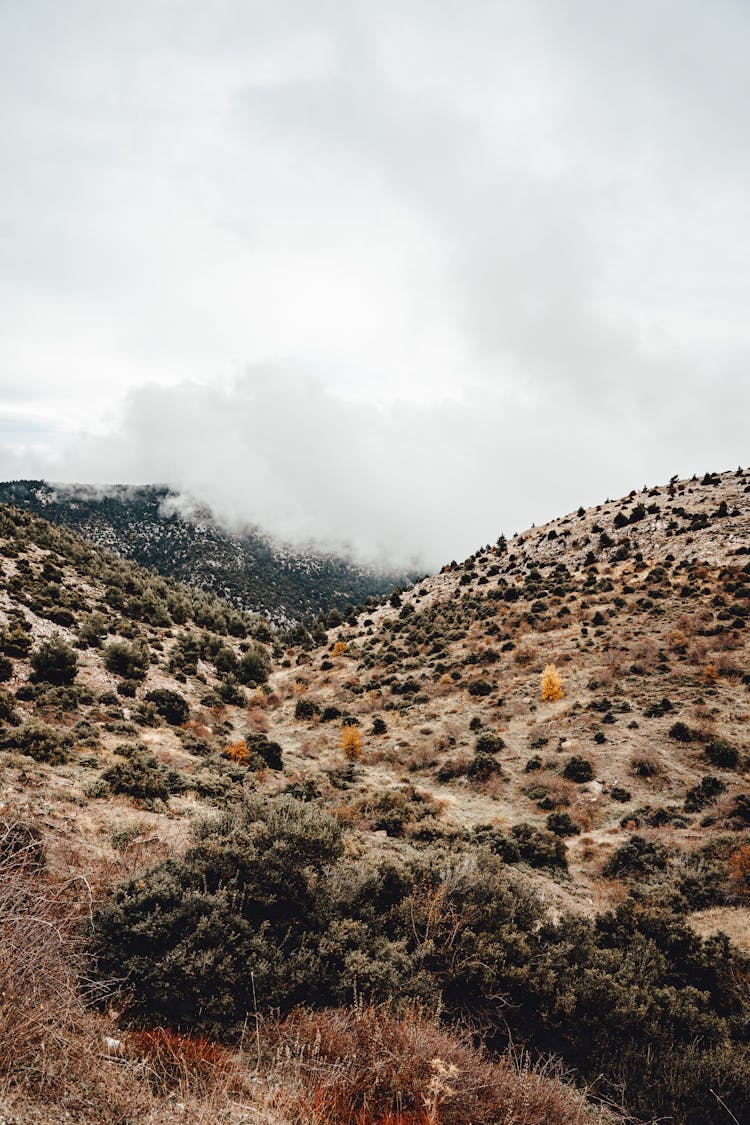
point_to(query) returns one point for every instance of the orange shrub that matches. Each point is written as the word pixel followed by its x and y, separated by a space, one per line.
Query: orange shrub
pixel 339 648
pixel 238 752
pixel 351 742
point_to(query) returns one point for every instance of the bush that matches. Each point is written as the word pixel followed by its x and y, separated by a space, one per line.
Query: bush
pixel 6 669
pixel 351 742
pixel 538 847
pixel 489 743
pixel 483 766
pixel 637 857
pixel 562 824
pixel 199 937
pixel 681 732
pixel 170 705
pixel 722 754
pixel 578 769
pixel 55 662
pixel 39 741
pixel 270 752
pixel 130 661
pixel 306 709
pixel 7 705
pixel 21 845
pixel 645 765
pixel 228 691
pixel 15 642
pixel 480 688
pixel 552 688
pixel 633 999
pixel 141 775
pixel 703 794
pixel 254 665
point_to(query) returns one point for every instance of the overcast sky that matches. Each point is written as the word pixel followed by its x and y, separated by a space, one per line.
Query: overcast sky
pixel 401 274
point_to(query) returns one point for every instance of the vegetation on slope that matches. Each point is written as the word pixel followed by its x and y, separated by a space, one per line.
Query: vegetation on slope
pixel 514 797
pixel 149 526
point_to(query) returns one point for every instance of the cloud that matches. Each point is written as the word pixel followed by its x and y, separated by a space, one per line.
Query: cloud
pixel 476 266
pixel 400 482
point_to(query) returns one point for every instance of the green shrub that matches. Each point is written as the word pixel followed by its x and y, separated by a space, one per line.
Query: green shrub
pixel 681 732
pixel 489 743
pixel 633 1000
pixel 539 848
pixel 66 699
pixel 39 741
pixel 306 709
pixel 130 661
pixel 6 669
pixel 199 937
pixel 140 775
pixel 578 769
pixel 170 705
pixel 722 754
pixel 482 767
pixel 7 705
pixel 254 665
pixel 562 824
pixel 480 688
pixel 269 751
pixel 15 642
pixel 703 794
pixel 228 691
pixel 637 857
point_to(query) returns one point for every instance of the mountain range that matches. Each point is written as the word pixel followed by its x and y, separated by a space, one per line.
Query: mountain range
pixel 180 538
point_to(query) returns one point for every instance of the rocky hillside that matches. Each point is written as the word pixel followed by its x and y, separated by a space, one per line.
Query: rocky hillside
pixel 590 678
pixel 179 539
pixel 516 794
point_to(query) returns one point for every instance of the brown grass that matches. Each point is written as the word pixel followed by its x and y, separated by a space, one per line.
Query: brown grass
pixel 50 1043
pixel 369 1066
pixel 184 1062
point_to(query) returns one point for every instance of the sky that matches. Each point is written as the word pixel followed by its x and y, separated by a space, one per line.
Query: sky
pixel 393 277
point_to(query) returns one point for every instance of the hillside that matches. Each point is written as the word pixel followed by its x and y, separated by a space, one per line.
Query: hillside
pixel 158 529
pixel 517 794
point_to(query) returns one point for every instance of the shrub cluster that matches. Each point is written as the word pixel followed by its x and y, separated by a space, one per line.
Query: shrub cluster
pixel 633 992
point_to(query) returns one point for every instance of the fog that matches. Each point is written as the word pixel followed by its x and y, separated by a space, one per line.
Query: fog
pixel 397 277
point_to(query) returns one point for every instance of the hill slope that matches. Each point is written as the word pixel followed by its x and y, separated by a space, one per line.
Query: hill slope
pixel 154 527
pixel 642 606
pixel 519 792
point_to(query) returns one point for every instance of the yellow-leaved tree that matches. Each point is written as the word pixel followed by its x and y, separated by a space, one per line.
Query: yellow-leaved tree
pixel 552 687
pixel 351 743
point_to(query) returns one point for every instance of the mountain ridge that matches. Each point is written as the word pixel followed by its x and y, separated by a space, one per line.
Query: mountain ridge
pixel 180 538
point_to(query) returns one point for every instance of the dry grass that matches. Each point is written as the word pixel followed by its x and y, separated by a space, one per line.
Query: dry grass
pixel 734 921
pixel 58 1056
pixel 189 1064
pixel 368 1066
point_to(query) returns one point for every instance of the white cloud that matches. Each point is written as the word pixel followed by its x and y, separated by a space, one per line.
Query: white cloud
pixel 399 482
pixel 493 257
